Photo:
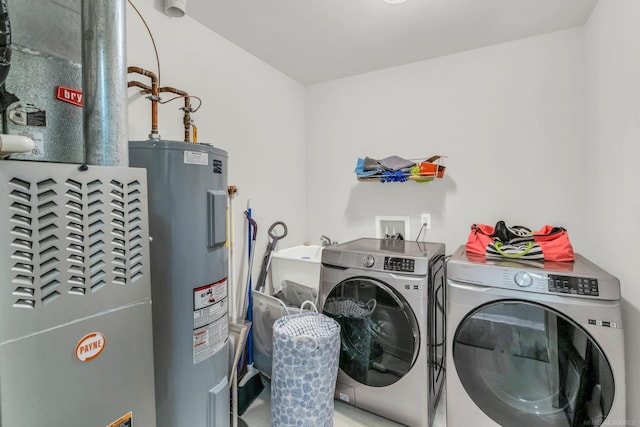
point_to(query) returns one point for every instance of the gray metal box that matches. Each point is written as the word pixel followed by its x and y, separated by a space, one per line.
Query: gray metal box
pixel 76 343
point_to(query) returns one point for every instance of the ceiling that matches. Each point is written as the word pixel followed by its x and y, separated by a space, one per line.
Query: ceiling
pixel 319 40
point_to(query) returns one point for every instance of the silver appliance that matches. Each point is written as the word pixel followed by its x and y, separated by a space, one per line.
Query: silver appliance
pixel 75 311
pixel 533 343
pixel 389 298
pixel 187 215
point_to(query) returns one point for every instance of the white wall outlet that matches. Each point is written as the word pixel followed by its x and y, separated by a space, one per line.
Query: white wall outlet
pixel 425 218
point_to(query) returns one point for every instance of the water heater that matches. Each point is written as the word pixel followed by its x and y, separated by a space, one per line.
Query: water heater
pixel 187 214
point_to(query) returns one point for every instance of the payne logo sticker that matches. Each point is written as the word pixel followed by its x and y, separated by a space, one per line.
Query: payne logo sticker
pixel 90 346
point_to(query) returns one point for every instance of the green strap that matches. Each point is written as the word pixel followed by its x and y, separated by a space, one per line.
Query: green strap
pixel 499 245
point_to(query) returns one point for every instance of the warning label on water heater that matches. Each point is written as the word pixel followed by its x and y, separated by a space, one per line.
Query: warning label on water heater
pixel 196 158
pixel 210 320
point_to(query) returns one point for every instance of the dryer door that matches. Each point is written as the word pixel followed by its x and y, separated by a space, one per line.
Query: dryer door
pixel 379 331
pixel 523 363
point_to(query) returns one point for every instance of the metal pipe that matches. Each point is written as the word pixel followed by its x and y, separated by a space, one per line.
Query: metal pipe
pixel 104 82
pixel 175 8
pixel 186 118
pixel 154 97
pixel 144 87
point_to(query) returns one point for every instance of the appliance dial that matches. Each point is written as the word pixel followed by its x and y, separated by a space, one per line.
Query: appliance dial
pixel 523 279
pixel 368 261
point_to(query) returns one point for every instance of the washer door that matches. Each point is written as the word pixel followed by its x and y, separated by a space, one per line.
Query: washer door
pixel 379 331
pixel 437 331
pixel 526 364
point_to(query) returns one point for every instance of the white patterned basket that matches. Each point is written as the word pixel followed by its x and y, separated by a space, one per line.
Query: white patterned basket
pixel 306 349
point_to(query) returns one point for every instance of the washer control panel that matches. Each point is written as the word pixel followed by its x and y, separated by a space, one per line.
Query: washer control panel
pixel 573 285
pixel 523 279
pixel 368 261
pixel 399 264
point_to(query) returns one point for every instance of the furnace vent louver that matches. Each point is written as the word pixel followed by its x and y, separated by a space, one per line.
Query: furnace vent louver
pixel 73 236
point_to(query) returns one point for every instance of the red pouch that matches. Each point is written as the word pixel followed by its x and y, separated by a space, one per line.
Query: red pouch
pixel 549 243
pixel 479 238
pixel 555 244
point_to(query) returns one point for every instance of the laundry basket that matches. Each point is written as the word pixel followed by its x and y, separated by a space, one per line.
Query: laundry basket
pixel 269 308
pixel 306 348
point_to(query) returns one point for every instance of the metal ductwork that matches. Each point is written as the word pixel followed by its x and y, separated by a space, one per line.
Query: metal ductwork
pixel 104 82
pixel 5 55
pixel 175 8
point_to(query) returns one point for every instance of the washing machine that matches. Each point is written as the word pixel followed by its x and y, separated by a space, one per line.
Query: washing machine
pixel 389 298
pixel 533 343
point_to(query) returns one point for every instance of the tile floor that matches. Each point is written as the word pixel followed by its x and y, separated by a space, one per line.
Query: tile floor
pixel 259 414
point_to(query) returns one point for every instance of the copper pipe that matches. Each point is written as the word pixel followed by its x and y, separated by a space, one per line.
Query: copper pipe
pixel 186 119
pixel 155 97
pixel 144 87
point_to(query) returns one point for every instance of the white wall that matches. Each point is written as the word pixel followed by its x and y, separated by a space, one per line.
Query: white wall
pixel 510 117
pixel 534 133
pixel 613 133
pixel 249 109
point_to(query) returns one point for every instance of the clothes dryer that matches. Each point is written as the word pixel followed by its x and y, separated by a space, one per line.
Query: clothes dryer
pixel 389 298
pixel 533 343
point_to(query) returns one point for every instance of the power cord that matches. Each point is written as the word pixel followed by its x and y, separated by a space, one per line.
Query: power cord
pixel 423 228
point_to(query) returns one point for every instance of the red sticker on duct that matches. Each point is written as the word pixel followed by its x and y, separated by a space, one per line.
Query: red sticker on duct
pixel 72 96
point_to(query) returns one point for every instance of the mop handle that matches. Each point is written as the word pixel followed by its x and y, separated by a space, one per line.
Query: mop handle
pixel 252 234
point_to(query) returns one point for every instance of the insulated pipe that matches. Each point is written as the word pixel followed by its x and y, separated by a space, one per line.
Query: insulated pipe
pixel 5 42
pixel 104 82
pixel 154 96
pixel 186 119
pixel 175 8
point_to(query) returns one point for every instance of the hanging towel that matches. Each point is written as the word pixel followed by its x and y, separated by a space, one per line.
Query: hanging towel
pixel 361 169
pixel 395 163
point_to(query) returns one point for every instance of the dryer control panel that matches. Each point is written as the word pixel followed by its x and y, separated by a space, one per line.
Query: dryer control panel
pixel 399 264
pixel 577 279
pixel 573 285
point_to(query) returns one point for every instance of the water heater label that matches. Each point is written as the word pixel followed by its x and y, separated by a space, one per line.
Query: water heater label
pixel 209 339
pixel 210 319
pixel 204 296
pixel 196 158
pixel 124 421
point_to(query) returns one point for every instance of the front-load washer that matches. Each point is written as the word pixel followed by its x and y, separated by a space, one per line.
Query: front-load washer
pixel 389 298
pixel 533 343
